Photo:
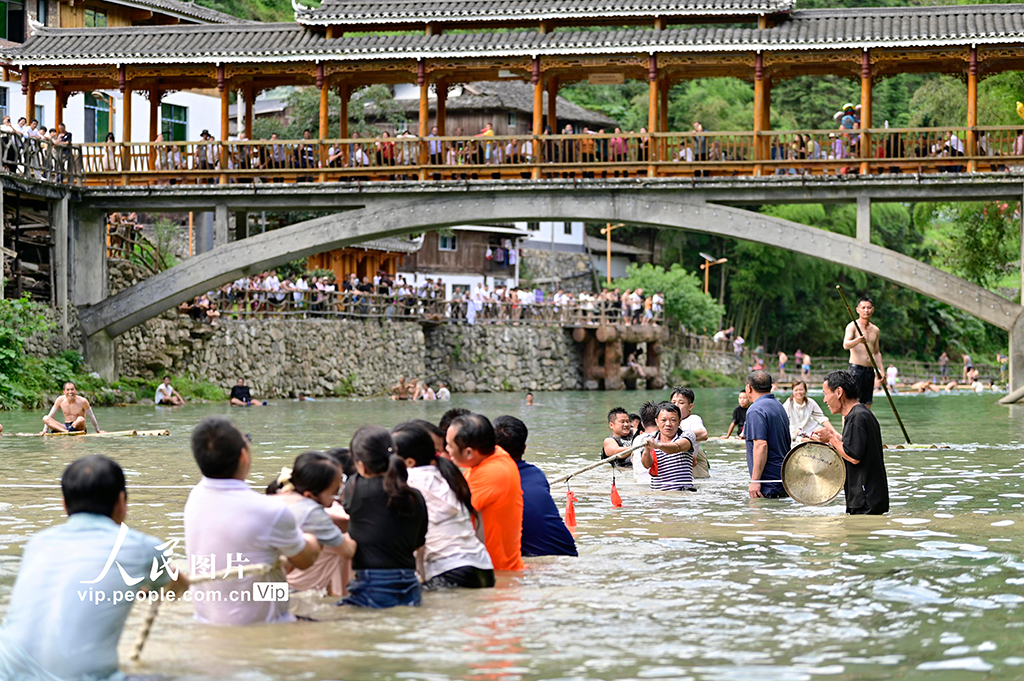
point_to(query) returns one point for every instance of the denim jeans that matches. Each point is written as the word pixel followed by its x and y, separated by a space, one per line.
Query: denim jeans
pixel 383 589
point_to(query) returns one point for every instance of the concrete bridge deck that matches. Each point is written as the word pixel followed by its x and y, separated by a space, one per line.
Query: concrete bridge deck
pixel 736 191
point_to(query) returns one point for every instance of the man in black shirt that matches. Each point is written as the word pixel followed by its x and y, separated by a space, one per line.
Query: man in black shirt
pixel 240 396
pixel 867 488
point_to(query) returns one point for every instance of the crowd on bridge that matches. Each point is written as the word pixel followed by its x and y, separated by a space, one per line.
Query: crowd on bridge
pixel 317 294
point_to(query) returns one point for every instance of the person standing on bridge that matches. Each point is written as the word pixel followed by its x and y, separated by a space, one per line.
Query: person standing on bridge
pixel 860 344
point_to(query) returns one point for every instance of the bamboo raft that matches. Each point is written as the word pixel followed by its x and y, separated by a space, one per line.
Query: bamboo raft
pixel 114 433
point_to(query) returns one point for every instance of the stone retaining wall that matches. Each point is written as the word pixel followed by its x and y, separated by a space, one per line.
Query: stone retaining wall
pixel 504 358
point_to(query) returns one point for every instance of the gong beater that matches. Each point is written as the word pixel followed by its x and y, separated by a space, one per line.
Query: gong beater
pixel 813 473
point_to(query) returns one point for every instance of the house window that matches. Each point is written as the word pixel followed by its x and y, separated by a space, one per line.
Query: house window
pixel 41 11
pixel 40 114
pixel 532 226
pixel 174 122
pixel 567 228
pixel 3 102
pixel 95 18
pixel 97 118
pixel 511 119
pixel 447 243
pixel 12 21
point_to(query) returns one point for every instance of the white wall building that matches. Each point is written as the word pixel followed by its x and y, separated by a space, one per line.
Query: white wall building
pixel 184 114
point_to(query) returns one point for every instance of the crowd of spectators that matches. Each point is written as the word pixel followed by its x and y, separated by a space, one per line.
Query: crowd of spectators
pixel 316 295
pixel 28 147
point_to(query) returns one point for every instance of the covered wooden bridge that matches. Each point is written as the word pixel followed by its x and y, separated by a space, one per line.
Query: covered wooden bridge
pixel 343 45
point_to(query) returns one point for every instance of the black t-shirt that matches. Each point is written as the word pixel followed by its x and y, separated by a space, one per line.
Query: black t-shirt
pixel 241 392
pixel 386 540
pixel 739 417
pixel 867 488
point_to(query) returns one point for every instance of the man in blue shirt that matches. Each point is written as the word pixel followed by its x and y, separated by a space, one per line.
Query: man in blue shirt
pixel 78 580
pixel 544 533
pixel 767 435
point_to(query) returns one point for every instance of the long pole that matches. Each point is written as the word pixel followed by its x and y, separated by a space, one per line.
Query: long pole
pixel 873 365
pixel 620 455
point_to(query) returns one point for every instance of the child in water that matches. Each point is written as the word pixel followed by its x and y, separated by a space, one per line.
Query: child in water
pixel 308 488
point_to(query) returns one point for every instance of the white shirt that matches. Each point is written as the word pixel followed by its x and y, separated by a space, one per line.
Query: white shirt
pixel 300 287
pixel 640 473
pixel 891 374
pixel 451 539
pixel 49 622
pixel 444 394
pixel 226 519
pixel 803 419
pixel 163 392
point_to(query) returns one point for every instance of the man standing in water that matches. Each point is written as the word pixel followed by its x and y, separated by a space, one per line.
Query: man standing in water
pixel 75 408
pixel 867 487
pixel 860 345
pixel 767 434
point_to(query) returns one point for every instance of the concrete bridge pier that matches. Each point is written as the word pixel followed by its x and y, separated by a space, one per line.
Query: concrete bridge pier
pixel 864 218
pixel 213 229
pixel 89 284
pixel 1017 354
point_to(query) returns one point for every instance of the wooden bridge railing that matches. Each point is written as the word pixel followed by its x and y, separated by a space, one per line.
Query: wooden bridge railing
pixel 689 154
pixel 40 160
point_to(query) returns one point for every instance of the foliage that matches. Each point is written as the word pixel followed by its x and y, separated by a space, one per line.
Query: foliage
pixel 156 254
pixel 346 387
pixel 981 240
pixel 19 319
pixel 685 300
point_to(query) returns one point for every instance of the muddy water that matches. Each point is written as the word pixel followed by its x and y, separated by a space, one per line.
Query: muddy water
pixel 709 585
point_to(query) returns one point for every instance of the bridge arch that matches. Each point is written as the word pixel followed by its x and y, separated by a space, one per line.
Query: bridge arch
pixel 404 215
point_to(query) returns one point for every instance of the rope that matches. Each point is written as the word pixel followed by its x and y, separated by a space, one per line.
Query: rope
pixel 620 455
pixel 257 570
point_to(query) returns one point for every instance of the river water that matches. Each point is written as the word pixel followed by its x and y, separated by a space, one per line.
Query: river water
pixel 708 585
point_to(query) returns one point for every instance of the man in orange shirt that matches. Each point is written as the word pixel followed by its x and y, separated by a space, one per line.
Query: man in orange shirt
pixel 494 482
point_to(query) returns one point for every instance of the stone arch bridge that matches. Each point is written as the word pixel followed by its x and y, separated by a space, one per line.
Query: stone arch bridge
pixel 403 214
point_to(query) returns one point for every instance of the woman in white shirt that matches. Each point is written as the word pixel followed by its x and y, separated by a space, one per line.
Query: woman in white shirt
pixel 805 416
pixel 454 555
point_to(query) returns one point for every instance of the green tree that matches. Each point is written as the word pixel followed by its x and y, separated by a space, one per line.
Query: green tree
pixel 978 241
pixel 685 300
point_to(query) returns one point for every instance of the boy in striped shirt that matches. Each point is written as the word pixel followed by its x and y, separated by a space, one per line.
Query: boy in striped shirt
pixel 668 454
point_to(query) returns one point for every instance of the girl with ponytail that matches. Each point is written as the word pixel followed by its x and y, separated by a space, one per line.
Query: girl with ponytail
pixel 387 522
pixel 308 488
pixel 454 555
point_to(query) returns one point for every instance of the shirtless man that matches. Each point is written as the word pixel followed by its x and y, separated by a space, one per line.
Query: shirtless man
pixel 75 409
pixel 400 391
pixel 783 358
pixel 859 347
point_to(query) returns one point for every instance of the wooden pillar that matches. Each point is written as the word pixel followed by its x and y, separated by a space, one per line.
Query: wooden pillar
pixel 343 95
pixel 225 122
pixel 865 112
pixel 972 109
pixel 652 122
pixel 654 380
pixel 28 89
pixel 759 109
pixel 663 88
pixel 613 365
pixel 323 132
pixel 538 115
pixel 441 89
pixel 659 24
pixel 62 101
pixel 154 113
pixel 421 80
pixel 250 98
pixel 553 105
pixel 126 131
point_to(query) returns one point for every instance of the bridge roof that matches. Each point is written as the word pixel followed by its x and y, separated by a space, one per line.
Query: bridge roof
pixel 378 12
pixel 913 28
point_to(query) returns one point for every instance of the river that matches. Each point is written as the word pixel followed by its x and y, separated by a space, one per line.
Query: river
pixel 708 585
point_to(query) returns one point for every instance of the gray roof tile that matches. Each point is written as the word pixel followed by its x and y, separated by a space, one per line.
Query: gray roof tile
pixel 189 9
pixel 804 30
pixel 361 12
